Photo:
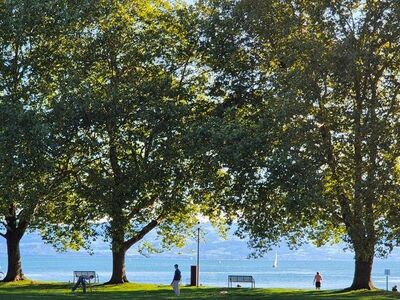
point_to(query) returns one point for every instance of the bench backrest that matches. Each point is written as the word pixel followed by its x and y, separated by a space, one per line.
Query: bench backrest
pixel 240 278
pixel 86 274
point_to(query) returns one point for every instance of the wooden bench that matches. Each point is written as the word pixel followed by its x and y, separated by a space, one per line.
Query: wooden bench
pixel 242 279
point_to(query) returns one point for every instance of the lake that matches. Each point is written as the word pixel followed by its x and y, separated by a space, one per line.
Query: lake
pixel 213 272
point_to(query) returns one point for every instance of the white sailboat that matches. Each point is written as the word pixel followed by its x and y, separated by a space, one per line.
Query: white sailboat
pixel 275 264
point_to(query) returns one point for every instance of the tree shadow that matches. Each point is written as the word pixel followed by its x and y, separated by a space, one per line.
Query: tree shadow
pixel 61 291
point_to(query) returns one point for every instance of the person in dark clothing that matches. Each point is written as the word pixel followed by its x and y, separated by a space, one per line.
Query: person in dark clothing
pixel 81 280
pixel 176 280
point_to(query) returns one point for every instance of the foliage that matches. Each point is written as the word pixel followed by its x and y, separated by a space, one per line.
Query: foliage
pixel 31 177
pixel 123 97
pixel 304 120
pixel 33 154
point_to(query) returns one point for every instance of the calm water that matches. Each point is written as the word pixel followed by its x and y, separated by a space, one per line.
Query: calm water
pixel 293 274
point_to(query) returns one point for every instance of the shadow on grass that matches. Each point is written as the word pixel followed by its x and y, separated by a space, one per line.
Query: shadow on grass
pixel 247 294
pixel 240 294
pixel 61 291
pixel 32 286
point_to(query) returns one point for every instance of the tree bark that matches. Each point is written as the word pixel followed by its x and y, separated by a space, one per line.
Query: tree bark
pixel 364 258
pixel 118 252
pixel 362 275
pixel 119 271
pixel 14 269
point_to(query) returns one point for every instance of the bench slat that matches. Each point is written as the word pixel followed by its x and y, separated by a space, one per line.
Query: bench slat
pixel 240 278
pixel 84 273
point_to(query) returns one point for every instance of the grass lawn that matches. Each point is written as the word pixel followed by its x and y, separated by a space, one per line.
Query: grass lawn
pixel 29 290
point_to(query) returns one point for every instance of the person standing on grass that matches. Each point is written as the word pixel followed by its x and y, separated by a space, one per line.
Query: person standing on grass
pixel 317 281
pixel 177 279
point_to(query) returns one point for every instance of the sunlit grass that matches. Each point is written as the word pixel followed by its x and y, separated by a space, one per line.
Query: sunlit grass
pixel 59 291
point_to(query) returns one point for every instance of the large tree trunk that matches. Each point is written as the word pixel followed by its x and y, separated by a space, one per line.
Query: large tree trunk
pixel 364 258
pixel 362 275
pixel 14 270
pixel 119 271
pixel 118 252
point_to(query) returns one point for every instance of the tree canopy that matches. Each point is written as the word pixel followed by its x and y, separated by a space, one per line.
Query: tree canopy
pixel 120 117
pixel 124 98
pixel 306 129
pixel 29 172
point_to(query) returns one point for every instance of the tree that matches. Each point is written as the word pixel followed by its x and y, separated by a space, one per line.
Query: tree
pixel 32 157
pixel 316 86
pixel 23 164
pixel 125 96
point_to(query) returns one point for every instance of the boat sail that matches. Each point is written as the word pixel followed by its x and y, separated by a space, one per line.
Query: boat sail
pixel 275 264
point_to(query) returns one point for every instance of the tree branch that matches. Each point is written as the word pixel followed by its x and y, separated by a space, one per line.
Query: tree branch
pixel 346 212
pixel 145 230
pixel 147 147
pixel 5 225
pixel 187 61
pixel 141 206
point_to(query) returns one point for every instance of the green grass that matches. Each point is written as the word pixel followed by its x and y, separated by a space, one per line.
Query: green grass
pixel 29 290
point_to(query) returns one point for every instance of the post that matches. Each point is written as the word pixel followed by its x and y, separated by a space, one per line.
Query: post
pixel 198 255
pixel 387 283
pixel 387 273
pixel 193 275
